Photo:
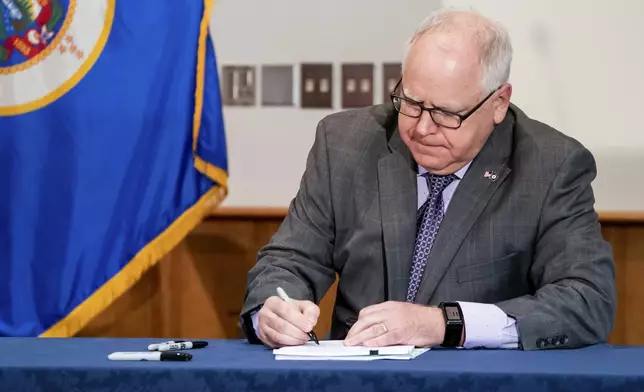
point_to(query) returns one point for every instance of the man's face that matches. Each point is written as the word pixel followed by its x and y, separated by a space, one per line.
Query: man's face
pixel 443 71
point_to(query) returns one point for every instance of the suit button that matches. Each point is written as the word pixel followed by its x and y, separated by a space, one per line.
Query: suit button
pixel 540 343
pixel 557 341
pixel 564 339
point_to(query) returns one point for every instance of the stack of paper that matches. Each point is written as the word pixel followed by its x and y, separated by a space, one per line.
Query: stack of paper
pixel 336 350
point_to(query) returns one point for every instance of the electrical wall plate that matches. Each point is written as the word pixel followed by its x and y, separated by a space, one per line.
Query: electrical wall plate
pixel 277 85
pixel 391 74
pixel 238 85
pixel 357 85
pixel 316 87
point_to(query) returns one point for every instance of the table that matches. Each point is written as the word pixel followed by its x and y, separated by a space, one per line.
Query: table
pixel 81 364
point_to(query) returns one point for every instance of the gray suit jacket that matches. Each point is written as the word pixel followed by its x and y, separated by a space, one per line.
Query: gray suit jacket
pixel 529 242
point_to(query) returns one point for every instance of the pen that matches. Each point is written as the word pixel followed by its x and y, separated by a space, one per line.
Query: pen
pixel 155 346
pixel 181 345
pixel 149 356
pixel 286 298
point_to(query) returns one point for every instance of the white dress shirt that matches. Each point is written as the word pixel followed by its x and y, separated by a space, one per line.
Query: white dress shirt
pixel 486 325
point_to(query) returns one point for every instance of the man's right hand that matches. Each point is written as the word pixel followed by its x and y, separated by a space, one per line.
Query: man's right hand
pixel 283 323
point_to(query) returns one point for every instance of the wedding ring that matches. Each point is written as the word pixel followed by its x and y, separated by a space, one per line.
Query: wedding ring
pixel 384 327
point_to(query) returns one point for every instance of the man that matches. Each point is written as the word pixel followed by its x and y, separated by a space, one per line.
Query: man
pixel 450 216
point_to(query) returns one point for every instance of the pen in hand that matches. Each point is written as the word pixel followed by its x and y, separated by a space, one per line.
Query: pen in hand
pixel 282 294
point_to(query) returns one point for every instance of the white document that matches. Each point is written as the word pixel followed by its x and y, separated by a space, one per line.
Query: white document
pixel 335 350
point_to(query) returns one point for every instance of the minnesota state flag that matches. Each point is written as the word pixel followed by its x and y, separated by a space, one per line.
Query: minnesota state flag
pixel 112 148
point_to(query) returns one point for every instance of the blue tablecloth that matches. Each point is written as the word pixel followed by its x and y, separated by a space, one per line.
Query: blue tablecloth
pixel 31 364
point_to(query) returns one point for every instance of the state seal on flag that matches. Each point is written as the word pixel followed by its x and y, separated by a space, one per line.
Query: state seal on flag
pixel 47 47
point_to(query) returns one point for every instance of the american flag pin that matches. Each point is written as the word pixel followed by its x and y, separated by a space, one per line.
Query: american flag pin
pixel 491 175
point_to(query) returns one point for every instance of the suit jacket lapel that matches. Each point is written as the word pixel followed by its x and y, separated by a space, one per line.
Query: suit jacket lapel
pixel 398 199
pixel 472 195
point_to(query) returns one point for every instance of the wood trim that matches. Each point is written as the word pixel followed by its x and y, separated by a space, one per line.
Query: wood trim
pixel 621 217
pixel 280 213
pixel 249 213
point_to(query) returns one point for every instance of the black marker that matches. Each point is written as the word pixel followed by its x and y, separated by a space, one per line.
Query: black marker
pixel 155 346
pixel 181 346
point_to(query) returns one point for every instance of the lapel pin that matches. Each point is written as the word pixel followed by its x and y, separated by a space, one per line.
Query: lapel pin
pixel 491 175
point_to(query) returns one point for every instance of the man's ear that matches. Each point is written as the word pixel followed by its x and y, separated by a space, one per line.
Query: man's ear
pixel 502 102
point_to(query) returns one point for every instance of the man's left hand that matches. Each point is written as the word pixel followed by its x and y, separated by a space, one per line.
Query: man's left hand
pixel 391 323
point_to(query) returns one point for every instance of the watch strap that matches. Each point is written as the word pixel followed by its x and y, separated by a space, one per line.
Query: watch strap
pixel 454 323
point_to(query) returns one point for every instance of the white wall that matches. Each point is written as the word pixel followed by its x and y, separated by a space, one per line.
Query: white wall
pixel 267 147
pixel 577 66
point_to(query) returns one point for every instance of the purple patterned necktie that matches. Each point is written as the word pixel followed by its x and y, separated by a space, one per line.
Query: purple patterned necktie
pixel 432 216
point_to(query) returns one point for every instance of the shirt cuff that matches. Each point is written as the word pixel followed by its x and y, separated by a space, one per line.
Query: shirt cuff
pixel 255 318
pixel 486 325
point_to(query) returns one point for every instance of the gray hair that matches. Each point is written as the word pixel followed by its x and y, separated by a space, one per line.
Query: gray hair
pixel 492 38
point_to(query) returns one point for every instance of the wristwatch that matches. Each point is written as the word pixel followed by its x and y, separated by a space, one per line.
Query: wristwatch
pixel 454 323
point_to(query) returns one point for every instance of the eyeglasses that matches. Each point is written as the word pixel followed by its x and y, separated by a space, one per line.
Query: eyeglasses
pixel 440 116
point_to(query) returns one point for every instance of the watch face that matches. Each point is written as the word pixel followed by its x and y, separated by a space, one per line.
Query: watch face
pixel 452 313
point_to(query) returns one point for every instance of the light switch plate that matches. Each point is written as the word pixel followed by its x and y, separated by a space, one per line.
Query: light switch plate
pixel 357 85
pixel 391 74
pixel 277 85
pixel 238 85
pixel 316 87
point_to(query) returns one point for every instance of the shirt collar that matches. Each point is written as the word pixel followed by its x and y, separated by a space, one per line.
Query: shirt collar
pixel 460 174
